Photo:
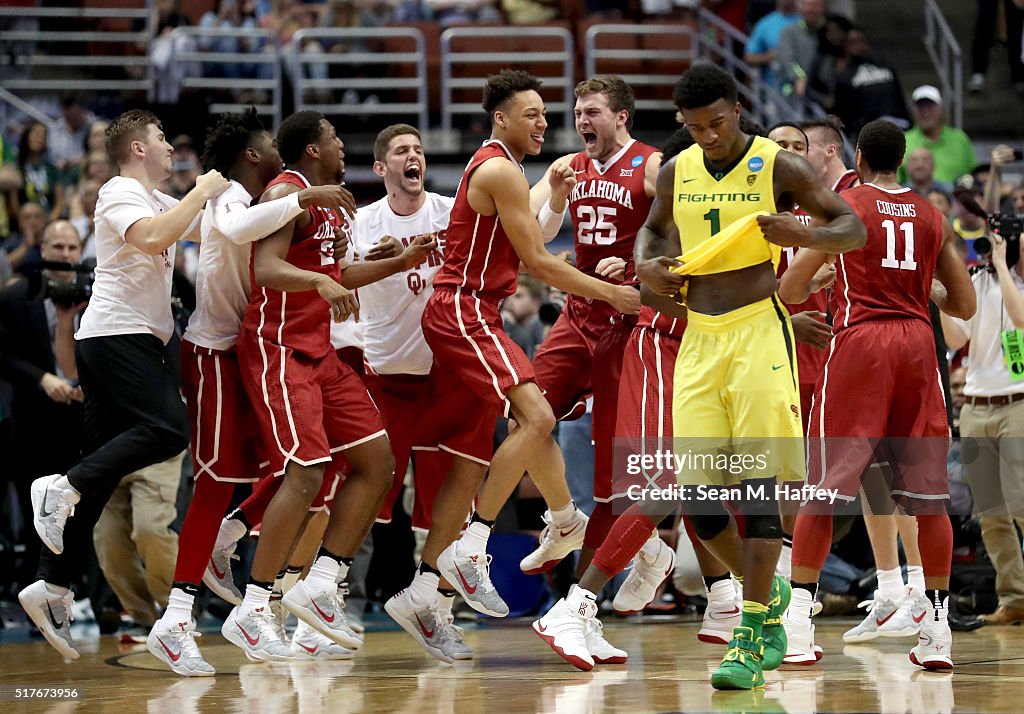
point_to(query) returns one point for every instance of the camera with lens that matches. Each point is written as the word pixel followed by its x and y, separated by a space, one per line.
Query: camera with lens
pixel 64 293
pixel 1008 228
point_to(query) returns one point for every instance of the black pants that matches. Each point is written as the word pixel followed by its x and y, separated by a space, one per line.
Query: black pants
pixel 985 34
pixel 134 418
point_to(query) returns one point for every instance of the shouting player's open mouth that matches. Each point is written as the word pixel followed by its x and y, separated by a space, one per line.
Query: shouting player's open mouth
pixel 589 139
pixel 413 173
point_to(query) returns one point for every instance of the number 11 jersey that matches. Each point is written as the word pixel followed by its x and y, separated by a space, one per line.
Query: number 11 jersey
pixel 890 278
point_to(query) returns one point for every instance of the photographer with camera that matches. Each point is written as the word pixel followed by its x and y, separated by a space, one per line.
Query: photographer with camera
pixel 992 417
pixel 134 415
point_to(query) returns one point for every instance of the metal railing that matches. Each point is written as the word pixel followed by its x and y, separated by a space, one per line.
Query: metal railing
pixel 459 66
pixel 316 90
pixel 645 60
pixel 947 58
pixel 231 74
pixel 30 71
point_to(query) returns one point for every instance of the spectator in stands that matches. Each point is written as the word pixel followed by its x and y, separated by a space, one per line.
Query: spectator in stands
pixel 997 198
pixel 69 133
pixel 867 89
pixel 674 9
pixel 96 137
pixel 798 46
pixel 764 38
pixel 83 214
pixel 950 147
pixel 185 168
pixel 23 246
pixel 10 179
pixel 464 12
pixel 942 201
pixel 232 15
pixel 984 38
pixel 98 166
pixel 831 60
pixel 969 217
pixel 39 176
pixel 135 545
pixel 531 12
pixel 520 315
pixel 920 167
pixel 164 45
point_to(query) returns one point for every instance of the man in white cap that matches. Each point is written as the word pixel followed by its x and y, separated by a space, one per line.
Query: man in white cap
pixel 949 146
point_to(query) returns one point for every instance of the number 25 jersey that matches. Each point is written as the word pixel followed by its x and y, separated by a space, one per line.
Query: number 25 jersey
pixel 890 278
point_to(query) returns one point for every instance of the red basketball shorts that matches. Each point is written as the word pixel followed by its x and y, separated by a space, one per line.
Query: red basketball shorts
pixel 403 400
pixel 226 441
pixel 475 365
pixel 309 410
pixel 879 398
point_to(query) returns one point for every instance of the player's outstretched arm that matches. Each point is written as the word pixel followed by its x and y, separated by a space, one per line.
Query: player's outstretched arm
pixel 549 197
pixel 502 185
pixel 242 224
pixel 960 299
pixel 837 228
pixel 154 235
pixel 656 244
pixel 795 286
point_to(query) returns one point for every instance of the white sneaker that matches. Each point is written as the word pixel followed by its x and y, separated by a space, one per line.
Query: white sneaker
pixel 601 649
pixel 800 647
pixel 722 614
pixel 51 613
pixel 555 543
pixel 420 621
pixel 935 642
pixel 51 508
pixel 565 632
pixel 470 576
pixel 218 575
pixel 880 611
pixel 323 612
pixel 280 613
pixel 307 643
pixel 255 632
pixel 909 616
pixel 644 578
pixel 175 645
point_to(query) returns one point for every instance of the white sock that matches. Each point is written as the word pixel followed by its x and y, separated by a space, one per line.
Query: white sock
pixel 939 612
pixel 785 565
pixel 890 585
pixel 291 576
pixel 276 590
pixel 424 588
pixel 800 605
pixel 255 598
pixel 445 603
pixel 231 530
pixel 723 591
pixel 580 598
pixel 179 608
pixel 652 548
pixel 474 539
pixel 342 572
pixel 323 575
pixel 58 590
pixel 563 516
pixel 915 578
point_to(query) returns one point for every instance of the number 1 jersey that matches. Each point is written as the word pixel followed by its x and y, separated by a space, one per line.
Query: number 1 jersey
pixel 890 278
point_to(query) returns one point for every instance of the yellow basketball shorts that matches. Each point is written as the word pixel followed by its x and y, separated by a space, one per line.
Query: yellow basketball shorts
pixel 736 401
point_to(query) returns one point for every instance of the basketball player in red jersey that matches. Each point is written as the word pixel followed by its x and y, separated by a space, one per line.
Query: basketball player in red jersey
pixel 608 188
pixel 482 373
pixel 881 382
pixel 310 406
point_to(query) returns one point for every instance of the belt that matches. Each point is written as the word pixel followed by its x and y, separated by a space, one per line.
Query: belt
pixel 999 401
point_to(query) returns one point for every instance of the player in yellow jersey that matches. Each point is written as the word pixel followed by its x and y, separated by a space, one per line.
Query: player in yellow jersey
pixel 736 402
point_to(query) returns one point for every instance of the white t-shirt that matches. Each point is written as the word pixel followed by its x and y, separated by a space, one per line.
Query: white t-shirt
pixel 390 309
pixel 132 290
pixel 228 229
pixel 987 373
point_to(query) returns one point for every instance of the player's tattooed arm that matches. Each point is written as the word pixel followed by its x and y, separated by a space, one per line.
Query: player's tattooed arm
pixel 656 243
pixel 960 299
pixel 837 229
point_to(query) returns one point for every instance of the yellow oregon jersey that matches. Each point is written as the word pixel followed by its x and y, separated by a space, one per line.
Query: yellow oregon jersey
pixel 706 204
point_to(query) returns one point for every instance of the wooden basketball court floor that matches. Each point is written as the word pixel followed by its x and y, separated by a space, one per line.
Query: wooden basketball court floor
pixel 516 672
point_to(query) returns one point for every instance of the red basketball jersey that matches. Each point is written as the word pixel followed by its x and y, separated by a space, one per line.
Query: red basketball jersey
pixel 298 320
pixel 810 360
pixel 608 205
pixel 478 255
pixel 846 181
pixel 890 278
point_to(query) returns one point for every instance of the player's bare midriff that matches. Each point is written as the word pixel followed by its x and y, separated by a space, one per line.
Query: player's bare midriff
pixel 720 293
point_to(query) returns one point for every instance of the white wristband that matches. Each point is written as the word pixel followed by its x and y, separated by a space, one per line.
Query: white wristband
pixel 550 222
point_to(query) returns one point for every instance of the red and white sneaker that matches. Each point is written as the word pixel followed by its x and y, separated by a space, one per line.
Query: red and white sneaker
pixel 601 649
pixel 935 642
pixel 556 542
pixel 646 575
pixel 722 614
pixel 255 633
pixel 564 627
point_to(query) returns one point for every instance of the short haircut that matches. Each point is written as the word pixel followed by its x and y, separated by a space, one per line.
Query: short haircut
pixel 296 133
pixel 792 125
pixel 228 138
pixel 704 84
pixel 882 145
pixel 503 86
pixel 129 127
pixel 63 225
pixel 615 89
pixel 383 140
pixel 832 125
